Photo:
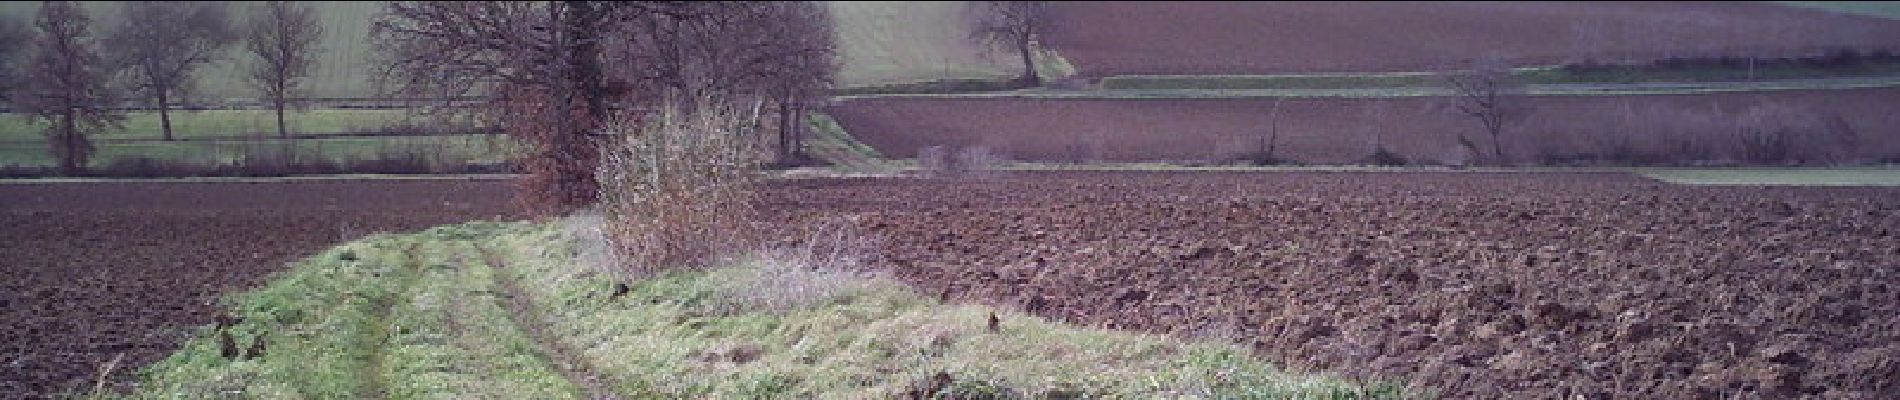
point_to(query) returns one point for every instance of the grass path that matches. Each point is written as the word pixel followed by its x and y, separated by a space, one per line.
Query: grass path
pixel 522 312
pixel 509 310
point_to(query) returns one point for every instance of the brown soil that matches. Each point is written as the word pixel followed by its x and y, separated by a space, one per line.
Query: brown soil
pixel 94 270
pixel 1113 38
pixel 1342 130
pixel 1467 285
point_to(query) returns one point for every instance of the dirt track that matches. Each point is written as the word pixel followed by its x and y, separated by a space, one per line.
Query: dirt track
pixel 1471 285
pixel 1185 38
pixel 94 270
pixel 1337 130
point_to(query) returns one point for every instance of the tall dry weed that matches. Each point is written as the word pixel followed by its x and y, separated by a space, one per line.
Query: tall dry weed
pixel 677 187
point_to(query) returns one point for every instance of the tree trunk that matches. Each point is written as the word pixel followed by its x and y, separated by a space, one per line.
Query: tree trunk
pixel 69 137
pixel 1029 64
pixel 1497 146
pixel 164 115
pixel 784 131
pixel 798 131
pixel 281 132
pixel 581 38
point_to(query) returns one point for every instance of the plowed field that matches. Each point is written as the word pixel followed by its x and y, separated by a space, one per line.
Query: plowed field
pixel 1191 38
pixel 1345 130
pixel 1470 285
pixel 95 270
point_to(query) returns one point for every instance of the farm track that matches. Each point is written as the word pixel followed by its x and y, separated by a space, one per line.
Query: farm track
pixel 95 270
pixel 522 312
pixel 1468 285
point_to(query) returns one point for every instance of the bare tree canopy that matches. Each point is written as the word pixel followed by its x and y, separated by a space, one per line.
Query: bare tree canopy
pixel 160 44
pixel 556 70
pixel 1489 93
pixel 1014 25
pixel 13 34
pixel 283 35
pixel 66 84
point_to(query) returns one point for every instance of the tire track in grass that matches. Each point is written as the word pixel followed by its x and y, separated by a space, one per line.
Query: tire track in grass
pixel 374 387
pixel 522 312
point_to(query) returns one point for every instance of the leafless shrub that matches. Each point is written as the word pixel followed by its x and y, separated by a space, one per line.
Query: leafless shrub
pixel 978 160
pixel 588 230
pixel 830 260
pixel 1488 93
pixel 1774 133
pixel 933 160
pixel 677 188
pixel 953 161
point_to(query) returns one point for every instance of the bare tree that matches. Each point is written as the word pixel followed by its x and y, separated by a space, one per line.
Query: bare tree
pixel 1489 94
pixel 160 44
pixel 12 32
pixel 65 84
pixel 1270 143
pixel 557 70
pixel 1015 25
pixel 540 63
pixel 283 35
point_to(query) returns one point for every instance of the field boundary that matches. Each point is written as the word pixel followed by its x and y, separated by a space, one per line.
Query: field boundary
pixel 298 178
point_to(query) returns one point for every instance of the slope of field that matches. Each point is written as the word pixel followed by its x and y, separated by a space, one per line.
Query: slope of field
pixel 343 61
pixel 1344 130
pixel 94 271
pixel 881 42
pixel 894 41
pixel 1468 285
pixel 1180 38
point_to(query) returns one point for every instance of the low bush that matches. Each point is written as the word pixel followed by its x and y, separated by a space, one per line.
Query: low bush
pixel 676 188
pixel 952 161
pixel 1386 158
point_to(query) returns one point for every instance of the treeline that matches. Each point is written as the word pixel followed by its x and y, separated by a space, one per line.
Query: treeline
pixel 62 70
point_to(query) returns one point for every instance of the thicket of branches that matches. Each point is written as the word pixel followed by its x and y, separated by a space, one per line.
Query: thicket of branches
pixel 557 69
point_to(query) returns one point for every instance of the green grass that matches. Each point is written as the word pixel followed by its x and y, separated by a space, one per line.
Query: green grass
pixel 397 316
pixel 471 148
pixel 1534 76
pixel 227 124
pixel 1883 9
pixel 1869 176
pixel 427 315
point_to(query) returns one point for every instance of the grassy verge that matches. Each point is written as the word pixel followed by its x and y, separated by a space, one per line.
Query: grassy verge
pixel 830 143
pixel 188 125
pixel 1870 176
pixel 1883 9
pixel 427 315
pixel 1769 71
pixel 446 152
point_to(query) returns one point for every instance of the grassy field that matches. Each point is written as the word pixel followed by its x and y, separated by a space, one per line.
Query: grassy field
pixel 1884 9
pixel 882 42
pixel 1868 176
pixel 1577 89
pixel 512 310
pixel 228 124
pixel 447 149
pixel 1535 76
